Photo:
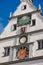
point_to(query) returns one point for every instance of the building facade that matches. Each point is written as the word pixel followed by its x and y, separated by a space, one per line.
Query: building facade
pixel 21 42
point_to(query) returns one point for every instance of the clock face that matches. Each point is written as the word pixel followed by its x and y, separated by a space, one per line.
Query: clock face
pixel 22 52
pixel 23 39
pixel 24 20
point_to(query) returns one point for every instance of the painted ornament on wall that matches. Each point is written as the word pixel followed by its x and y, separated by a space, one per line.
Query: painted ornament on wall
pixel 22 53
pixel 23 30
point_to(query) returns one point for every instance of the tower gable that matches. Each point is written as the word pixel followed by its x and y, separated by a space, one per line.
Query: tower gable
pixel 24 7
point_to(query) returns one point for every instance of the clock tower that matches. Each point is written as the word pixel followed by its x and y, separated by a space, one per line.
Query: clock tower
pixel 21 42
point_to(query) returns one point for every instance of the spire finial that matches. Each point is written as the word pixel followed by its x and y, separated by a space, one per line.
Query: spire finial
pixel 39 7
pixel 10 14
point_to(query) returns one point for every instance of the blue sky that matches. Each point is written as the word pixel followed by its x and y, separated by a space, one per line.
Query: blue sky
pixel 7 6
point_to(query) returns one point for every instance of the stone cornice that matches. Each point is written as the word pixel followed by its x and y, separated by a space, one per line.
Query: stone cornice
pixel 24 60
pixel 19 35
pixel 24 14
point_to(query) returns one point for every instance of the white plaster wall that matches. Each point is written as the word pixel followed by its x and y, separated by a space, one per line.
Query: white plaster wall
pixel 33 38
pixel 14 54
pixel 8 29
pixel 36 36
pixel 3 44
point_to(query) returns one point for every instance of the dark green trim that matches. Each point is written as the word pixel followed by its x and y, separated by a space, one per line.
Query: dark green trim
pixel 20 61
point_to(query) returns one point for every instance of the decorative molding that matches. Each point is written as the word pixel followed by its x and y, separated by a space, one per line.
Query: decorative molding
pixel 24 60
pixel 40 30
pixel 24 14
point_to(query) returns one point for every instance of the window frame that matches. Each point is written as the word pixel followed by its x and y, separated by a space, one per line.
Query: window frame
pixel 23 7
pixel 6 51
pixel 13 27
pixel 31 24
pixel 40 44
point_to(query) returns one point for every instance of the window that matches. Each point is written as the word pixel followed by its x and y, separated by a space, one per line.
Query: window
pixel 40 44
pixel 7 51
pixel 24 7
pixel 14 27
pixel 33 23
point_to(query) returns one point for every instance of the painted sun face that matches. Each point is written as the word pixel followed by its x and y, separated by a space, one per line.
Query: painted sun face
pixel 24 20
pixel 22 53
pixel 24 17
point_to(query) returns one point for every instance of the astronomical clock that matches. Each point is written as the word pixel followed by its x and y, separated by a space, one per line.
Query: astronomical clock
pixel 24 20
pixel 22 52
pixel 23 48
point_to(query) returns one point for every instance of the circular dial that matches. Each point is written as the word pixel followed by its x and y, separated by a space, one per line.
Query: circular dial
pixel 23 39
pixel 22 53
pixel 24 20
